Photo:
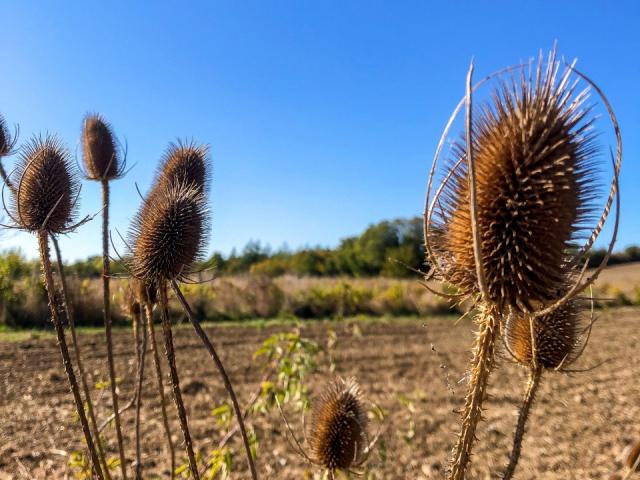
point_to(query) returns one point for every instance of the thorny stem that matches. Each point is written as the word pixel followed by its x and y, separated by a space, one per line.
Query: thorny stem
pixel 227 383
pixel 148 309
pixel 107 323
pixel 532 387
pixel 68 306
pixel 43 244
pixel 141 347
pixel 480 370
pixel 175 382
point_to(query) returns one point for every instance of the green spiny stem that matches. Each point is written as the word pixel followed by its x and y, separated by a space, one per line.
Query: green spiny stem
pixel 141 347
pixel 148 309
pixel 480 370
pixel 43 244
pixel 175 381
pixel 107 324
pixel 68 306
pixel 227 382
pixel 532 387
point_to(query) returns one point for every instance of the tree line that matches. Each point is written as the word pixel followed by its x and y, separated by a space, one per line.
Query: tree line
pixel 391 248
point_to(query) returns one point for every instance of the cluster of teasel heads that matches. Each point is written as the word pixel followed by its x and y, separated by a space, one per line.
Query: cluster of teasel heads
pixel 505 224
pixel 165 242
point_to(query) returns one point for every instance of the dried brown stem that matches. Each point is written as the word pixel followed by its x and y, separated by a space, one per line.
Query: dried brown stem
pixel 480 370
pixel 43 244
pixel 107 323
pixel 227 382
pixel 175 381
pixel 141 347
pixel 68 306
pixel 148 309
pixel 523 415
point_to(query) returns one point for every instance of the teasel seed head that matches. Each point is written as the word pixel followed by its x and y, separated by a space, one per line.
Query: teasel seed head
pixel 169 234
pixel 534 156
pixel 100 152
pixel 132 305
pixel 338 436
pixel 557 336
pixel 184 163
pixel 6 141
pixel 145 292
pixel 47 187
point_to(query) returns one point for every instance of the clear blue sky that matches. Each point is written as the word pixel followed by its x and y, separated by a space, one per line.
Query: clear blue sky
pixel 322 116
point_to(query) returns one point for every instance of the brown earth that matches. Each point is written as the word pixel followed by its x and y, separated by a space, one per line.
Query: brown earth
pixel 579 427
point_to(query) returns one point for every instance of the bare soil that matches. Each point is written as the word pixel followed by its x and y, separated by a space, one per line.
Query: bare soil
pixel 579 427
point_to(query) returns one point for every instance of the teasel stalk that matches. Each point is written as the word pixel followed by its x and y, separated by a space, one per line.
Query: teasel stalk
pixel 68 306
pixel 103 162
pixel 148 298
pixel 141 351
pixel 502 225
pixel 44 202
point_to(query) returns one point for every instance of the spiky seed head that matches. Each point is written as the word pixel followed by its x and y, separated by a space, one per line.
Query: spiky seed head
pixel 534 156
pixel 184 163
pixel 556 336
pixel 6 142
pixel 100 153
pixel 47 187
pixel 132 305
pixel 168 234
pixel 338 434
pixel 145 292
pixel 633 456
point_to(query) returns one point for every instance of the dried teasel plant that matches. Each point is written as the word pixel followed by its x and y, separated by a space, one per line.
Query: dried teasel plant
pixel 514 200
pixel 104 161
pixel 337 438
pixel 44 200
pixel 552 342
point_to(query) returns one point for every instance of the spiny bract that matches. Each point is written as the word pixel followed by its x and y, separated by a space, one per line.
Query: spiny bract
pixel 338 435
pixel 47 187
pixel 99 149
pixel 556 336
pixel 534 156
pixel 168 234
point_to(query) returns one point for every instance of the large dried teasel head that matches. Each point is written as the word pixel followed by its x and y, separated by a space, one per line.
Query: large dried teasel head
pixel 534 157
pixel 184 163
pixel 168 234
pixel 338 430
pixel 557 337
pixel 100 151
pixel 46 189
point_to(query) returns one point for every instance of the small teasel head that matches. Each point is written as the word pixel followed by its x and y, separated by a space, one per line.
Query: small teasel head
pixel 47 187
pixel 338 432
pixel 184 163
pixel 169 234
pixel 534 153
pixel 7 141
pixel 557 337
pixel 132 304
pixel 145 292
pixel 100 151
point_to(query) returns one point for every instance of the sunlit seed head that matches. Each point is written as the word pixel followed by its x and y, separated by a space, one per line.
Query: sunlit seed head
pixel 100 153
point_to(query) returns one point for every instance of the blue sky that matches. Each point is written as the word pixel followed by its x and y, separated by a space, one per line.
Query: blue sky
pixel 322 116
